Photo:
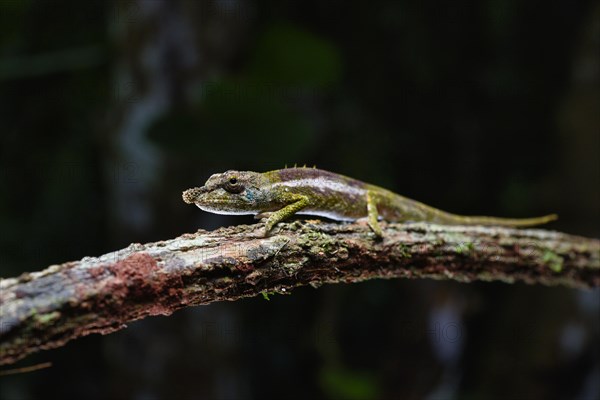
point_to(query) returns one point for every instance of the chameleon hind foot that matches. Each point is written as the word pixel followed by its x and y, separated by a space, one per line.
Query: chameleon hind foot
pixel 373 215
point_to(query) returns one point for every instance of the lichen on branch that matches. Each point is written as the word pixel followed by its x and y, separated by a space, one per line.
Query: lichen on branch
pixel 46 309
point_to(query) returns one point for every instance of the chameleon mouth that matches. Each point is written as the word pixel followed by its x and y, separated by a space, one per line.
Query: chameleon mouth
pixel 206 200
pixel 198 197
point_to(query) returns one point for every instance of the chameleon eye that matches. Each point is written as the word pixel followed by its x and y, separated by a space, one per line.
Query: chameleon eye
pixel 233 186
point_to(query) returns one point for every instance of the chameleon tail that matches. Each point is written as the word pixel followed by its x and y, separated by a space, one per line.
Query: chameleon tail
pixel 511 222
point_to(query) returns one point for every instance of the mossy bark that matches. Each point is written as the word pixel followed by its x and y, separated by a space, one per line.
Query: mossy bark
pixel 46 309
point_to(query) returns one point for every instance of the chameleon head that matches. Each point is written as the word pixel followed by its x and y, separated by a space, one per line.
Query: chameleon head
pixel 231 192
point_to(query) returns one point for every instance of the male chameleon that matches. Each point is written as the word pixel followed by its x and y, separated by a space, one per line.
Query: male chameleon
pixel 277 195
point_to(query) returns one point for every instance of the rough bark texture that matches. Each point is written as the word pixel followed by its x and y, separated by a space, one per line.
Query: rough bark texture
pixel 46 309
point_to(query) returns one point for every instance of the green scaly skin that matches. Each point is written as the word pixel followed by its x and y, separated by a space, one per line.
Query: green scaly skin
pixel 279 194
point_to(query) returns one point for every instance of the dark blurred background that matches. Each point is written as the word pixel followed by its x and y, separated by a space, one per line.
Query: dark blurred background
pixel 109 109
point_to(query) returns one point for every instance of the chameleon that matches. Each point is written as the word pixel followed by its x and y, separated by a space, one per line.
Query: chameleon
pixel 276 195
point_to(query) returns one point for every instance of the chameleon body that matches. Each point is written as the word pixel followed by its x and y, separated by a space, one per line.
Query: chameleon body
pixel 279 194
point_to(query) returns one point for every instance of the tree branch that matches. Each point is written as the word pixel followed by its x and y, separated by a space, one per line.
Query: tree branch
pixel 46 309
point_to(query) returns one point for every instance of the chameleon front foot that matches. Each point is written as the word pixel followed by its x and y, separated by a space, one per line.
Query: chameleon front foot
pixel 284 213
pixel 268 228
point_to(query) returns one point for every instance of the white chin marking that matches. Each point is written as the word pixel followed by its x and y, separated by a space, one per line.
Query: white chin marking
pixel 224 212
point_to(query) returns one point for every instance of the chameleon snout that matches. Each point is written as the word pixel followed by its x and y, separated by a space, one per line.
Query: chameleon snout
pixel 191 195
